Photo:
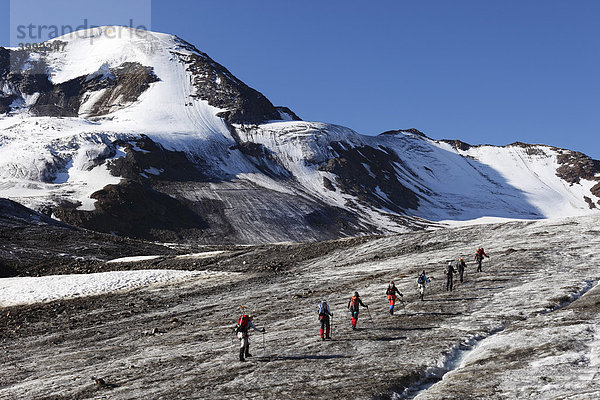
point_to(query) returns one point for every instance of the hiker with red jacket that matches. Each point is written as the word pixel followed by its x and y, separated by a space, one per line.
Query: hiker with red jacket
pixel 245 323
pixel 353 306
pixel 391 292
pixel 324 314
pixel 479 255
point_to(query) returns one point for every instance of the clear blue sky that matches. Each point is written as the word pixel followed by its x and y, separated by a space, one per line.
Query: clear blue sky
pixel 479 71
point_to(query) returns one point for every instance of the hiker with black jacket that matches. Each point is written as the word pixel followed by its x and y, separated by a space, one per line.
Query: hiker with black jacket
pixel 460 267
pixel 324 314
pixel 450 276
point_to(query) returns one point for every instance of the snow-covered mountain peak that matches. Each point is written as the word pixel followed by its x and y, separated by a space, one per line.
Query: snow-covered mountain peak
pixel 142 134
pixel 88 51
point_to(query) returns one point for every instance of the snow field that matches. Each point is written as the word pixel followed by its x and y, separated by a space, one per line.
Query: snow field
pixel 29 290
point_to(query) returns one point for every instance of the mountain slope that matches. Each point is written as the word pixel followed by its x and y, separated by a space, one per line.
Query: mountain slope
pixel 32 244
pixel 525 327
pixel 141 134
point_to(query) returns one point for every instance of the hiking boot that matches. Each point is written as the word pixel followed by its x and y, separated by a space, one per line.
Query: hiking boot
pixel 328 337
pixel 242 355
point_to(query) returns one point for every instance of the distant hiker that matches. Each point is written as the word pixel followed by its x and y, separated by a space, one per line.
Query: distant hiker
pixel 324 314
pixel 460 267
pixel 422 281
pixel 241 328
pixel 450 271
pixel 353 306
pixel 391 292
pixel 479 255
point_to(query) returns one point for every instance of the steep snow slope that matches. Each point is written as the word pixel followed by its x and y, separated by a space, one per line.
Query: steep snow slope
pixel 114 116
pixel 516 181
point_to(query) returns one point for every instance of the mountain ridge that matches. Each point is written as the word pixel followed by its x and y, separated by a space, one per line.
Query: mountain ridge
pixel 90 130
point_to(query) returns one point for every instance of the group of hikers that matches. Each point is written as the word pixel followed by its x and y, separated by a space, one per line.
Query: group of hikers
pixel 245 323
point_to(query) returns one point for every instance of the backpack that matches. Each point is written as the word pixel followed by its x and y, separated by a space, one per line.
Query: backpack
pixel 389 290
pixel 353 303
pixel 421 280
pixel 322 308
pixel 242 324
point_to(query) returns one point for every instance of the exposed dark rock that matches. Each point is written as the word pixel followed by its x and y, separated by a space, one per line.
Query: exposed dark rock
pixel 163 164
pixel 129 82
pixel 590 202
pixel 6 271
pixel 131 209
pixel 331 220
pixel 32 244
pixel 5 103
pixel 10 210
pixel 215 84
pixel 596 190
pixel 457 144
pixel 355 179
pixel 575 166
pixel 410 130
pixel 263 158
pixel 126 83
pixel 531 149
pixel 4 61
pixel 328 184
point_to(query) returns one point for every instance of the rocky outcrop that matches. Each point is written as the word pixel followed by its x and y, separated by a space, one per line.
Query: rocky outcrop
pixel 32 244
pixel 147 160
pixel 369 174
pixel 134 210
pixel 458 144
pixel 124 86
pixel 400 131
pixel 120 86
pixel 13 211
pixel 575 166
pixel 215 84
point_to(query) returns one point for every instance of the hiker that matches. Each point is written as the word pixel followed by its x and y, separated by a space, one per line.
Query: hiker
pixel 353 305
pixel 460 267
pixel 391 292
pixel 324 314
pixel 450 271
pixel 479 255
pixel 245 323
pixel 422 280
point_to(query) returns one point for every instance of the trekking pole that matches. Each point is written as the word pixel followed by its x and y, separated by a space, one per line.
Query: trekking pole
pixel 264 351
pixel 371 318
